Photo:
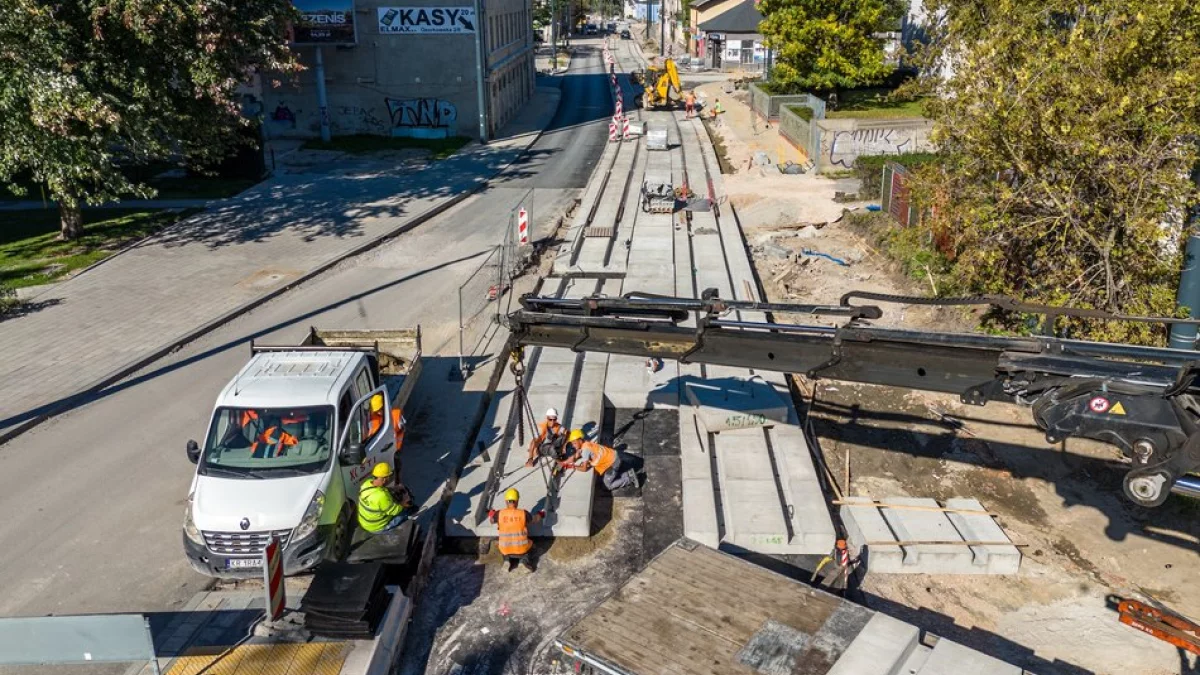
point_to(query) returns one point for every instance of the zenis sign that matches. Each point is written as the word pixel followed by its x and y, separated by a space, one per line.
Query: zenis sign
pixel 324 22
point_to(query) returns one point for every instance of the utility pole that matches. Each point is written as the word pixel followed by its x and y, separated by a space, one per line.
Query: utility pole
pixel 322 100
pixel 554 34
pixel 1184 336
pixel 662 24
pixel 480 73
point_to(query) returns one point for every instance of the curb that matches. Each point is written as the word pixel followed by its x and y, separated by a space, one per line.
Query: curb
pixel 121 372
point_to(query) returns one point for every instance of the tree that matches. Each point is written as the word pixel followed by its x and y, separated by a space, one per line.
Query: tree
pixel 88 85
pixel 1068 131
pixel 824 46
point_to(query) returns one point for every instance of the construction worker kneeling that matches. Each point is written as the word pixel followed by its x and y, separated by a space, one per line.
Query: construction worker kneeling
pixel 605 460
pixel 382 502
pixel 513 525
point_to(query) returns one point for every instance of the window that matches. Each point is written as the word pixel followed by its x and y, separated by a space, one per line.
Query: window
pixel 268 442
pixel 362 383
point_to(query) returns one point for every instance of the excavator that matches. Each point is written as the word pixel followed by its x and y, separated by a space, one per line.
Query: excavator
pixel 659 83
pixel 1143 400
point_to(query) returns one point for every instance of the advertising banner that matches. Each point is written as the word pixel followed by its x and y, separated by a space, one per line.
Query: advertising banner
pixel 426 20
pixel 324 22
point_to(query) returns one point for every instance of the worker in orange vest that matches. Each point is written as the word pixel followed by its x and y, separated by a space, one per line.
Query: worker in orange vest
pixel 605 460
pixel 513 525
pixel 273 441
pixel 376 420
pixel 549 439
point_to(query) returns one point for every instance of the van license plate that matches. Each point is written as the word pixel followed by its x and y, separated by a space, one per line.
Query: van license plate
pixel 243 563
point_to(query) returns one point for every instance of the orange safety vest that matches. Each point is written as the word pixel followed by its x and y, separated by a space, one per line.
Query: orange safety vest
pixel 546 430
pixel 399 425
pixel 514 536
pixel 266 438
pixel 374 423
pixel 603 456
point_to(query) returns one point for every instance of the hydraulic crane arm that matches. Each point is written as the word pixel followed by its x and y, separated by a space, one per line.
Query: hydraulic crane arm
pixel 1140 399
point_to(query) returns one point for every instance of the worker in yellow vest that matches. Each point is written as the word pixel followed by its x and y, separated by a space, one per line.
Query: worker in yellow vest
pixel 382 503
pixel 605 460
pixel 513 525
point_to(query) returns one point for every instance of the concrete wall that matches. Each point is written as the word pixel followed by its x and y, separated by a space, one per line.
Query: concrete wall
pixel 409 84
pixel 843 140
pixel 769 107
pixel 805 134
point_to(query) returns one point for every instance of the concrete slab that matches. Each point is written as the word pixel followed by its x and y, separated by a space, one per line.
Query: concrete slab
pixel 701 512
pixel 730 404
pixel 871 523
pixel 951 658
pixel 881 648
pixel 572 383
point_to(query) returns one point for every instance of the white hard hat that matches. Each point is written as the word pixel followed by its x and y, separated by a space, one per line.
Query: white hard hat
pixel 551 412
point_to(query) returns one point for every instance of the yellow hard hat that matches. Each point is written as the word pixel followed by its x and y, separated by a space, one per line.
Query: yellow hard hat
pixel 576 435
pixel 511 495
pixel 377 403
pixel 382 470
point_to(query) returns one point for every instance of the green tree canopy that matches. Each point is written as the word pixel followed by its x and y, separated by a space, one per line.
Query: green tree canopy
pixel 1069 130
pixel 88 84
pixel 826 45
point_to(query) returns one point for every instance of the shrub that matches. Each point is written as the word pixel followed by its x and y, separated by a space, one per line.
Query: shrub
pixel 869 170
pixel 802 111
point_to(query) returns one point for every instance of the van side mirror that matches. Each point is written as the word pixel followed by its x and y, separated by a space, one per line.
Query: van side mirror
pixel 193 452
pixel 353 454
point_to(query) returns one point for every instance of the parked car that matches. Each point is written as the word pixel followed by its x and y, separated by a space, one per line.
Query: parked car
pixel 625 35
pixel 590 29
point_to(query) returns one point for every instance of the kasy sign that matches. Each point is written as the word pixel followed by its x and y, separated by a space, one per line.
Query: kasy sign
pixel 426 20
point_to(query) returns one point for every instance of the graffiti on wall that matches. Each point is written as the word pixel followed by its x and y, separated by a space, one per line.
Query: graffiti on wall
pixel 360 118
pixel 848 145
pixel 422 112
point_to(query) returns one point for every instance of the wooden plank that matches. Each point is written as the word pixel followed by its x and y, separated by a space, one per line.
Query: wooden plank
pixel 673 646
pixel 770 594
pixel 910 507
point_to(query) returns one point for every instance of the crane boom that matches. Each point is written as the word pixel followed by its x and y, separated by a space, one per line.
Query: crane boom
pixel 1140 399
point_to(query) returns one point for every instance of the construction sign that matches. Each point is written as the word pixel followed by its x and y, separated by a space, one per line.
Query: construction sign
pixel 273 578
pixel 523 226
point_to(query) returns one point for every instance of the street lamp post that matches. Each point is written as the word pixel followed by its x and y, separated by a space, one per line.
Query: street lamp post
pixel 480 74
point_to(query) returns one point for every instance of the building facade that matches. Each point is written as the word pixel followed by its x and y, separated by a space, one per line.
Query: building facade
pixel 730 40
pixel 411 72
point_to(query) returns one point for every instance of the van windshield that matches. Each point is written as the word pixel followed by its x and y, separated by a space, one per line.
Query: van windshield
pixel 268 442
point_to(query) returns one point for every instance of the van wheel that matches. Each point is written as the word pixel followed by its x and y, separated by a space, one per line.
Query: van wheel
pixel 343 533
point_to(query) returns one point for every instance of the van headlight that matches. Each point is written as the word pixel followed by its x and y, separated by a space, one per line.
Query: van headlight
pixel 189 526
pixel 312 518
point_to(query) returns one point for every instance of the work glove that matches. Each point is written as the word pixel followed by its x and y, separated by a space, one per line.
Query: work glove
pixel 492 514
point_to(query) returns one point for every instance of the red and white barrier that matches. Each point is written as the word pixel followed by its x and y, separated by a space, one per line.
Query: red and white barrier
pixel 612 131
pixel 523 226
pixel 273 578
pixel 624 128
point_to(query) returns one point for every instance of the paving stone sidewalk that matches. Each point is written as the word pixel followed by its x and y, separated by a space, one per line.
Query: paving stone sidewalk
pixel 79 332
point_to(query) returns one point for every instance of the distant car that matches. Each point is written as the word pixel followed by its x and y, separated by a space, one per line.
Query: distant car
pixel 610 28
pixel 590 29
pixel 625 35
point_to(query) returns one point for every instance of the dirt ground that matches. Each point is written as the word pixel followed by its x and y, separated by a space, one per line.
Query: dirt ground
pixel 1082 541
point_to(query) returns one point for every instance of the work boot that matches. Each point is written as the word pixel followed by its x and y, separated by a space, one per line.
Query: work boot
pixel 633 479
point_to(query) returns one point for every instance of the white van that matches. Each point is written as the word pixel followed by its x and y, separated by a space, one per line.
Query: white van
pixel 291 439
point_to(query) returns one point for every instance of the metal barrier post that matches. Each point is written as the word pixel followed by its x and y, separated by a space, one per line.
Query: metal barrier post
pixel 462 372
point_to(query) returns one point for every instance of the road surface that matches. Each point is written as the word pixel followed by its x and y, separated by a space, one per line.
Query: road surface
pixel 94 498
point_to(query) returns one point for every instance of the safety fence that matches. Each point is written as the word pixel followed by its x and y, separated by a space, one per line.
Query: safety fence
pixel 801 130
pixel 769 106
pixel 485 297
pixel 895 195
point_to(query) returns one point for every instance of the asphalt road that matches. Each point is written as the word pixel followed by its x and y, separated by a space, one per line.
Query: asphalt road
pixel 93 500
